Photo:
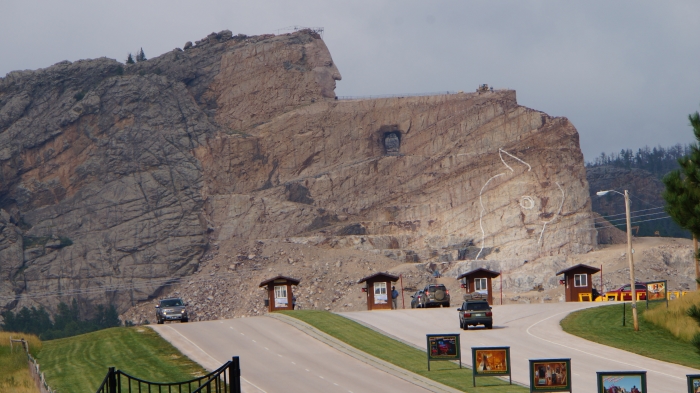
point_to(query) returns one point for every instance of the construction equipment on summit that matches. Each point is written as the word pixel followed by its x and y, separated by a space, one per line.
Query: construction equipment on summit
pixel 483 88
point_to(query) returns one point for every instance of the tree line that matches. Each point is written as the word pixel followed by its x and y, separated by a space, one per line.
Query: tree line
pixel 140 56
pixel 657 160
pixel 66 322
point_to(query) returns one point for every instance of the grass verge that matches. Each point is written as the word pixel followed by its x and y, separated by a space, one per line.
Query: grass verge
pixel 14 368
pixel 675 318
pixel 80 363
pixel 400 354
pixel 604 325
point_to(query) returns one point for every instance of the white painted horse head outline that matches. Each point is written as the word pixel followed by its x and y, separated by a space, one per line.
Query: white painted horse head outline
pixel 527 203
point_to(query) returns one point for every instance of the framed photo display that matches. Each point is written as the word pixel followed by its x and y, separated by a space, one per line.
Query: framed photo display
pixel 622 381
pixel 657 291
pixel 550 375
pixel 490 362
pixel 443 347
pixel 693 383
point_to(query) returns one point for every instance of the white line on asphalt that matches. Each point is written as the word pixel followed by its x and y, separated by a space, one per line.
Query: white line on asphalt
pixel 306 369
pixel 253 341
pixel 266 348
pixel 213 358
pixel 279 355
pixel 293 363
pixel 588 353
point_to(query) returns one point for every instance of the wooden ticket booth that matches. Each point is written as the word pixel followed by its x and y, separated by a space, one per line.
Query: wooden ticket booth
pixel 279 293
pixel 478 281
pixel 578 283
pixel 378 289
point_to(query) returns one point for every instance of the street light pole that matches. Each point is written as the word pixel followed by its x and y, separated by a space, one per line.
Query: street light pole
pixel 633 286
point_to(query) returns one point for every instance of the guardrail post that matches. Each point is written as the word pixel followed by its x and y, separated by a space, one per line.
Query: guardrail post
pixel 112 381
pixel 234 375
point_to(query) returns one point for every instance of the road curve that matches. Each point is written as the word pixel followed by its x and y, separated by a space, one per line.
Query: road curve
pixel 533 332
pixel 276 357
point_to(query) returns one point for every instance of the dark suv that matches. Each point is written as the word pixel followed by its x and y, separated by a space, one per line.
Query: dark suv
pixel 434 295
pixel 173 309
pixel 477 312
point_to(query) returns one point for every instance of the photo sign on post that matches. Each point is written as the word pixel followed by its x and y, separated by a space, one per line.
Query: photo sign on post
pixel 443 347
pixel 550 375
pixel 657 291
pixel 622 381
pixel 490 362
pixel 693 383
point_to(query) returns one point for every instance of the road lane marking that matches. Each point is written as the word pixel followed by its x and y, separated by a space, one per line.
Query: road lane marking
pixel 213 358
pixel 267 349
pixel 279 355
pixel 592 354
pixel 293 363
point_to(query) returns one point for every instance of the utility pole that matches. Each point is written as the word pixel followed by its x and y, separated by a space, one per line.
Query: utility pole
pixel 697 262
pixel 633 288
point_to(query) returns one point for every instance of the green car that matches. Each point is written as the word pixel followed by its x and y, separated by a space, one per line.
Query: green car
pixel 477 312
pixel 433 295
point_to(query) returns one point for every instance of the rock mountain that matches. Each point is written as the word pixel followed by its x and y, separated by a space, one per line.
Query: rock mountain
pixel 117 180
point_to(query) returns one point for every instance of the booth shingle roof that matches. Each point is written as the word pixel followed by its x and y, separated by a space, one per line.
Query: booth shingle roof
pixel 292 281
pixel 388 276
pixel 580 266
pixel 480 270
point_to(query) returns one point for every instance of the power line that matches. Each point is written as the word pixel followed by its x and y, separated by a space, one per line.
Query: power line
pixel 633 217
pixel 159 282
pixel 631 212
pixel 632 223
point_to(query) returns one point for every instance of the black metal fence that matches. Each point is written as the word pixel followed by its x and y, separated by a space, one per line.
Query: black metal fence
pixel 225 379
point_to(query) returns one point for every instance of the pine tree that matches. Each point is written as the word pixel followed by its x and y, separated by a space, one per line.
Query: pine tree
pixel 682 194
pixel 130 59
pixel 140 56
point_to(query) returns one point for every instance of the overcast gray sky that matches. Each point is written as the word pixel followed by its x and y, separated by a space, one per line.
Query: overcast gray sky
pixel 626 73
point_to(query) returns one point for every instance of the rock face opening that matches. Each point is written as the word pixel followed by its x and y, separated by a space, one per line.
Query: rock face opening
pixel 392 143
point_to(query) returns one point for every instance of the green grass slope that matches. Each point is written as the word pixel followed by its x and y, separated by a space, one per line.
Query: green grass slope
pixel 604 325
pixel 400 354
pixel 80 363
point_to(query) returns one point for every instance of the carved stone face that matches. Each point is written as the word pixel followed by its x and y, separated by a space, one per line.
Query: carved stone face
pixel 325 71
pixel 392 144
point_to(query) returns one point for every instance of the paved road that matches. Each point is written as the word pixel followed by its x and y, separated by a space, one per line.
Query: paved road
pixel 532 331
pixel 276 357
